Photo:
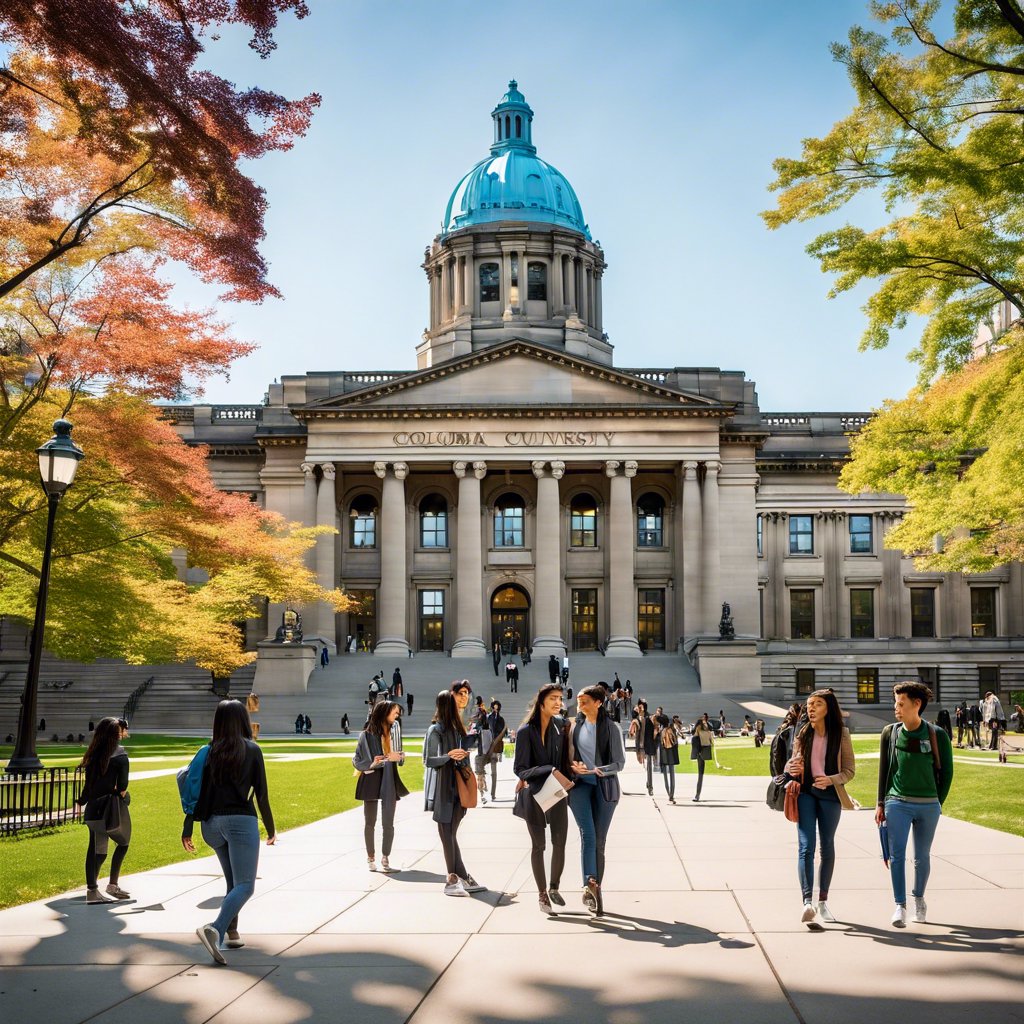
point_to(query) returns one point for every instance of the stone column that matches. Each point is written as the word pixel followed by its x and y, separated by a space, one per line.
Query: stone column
pixel 712 569
pixel 506 282
pixel 309 506
pixel 557 299
pixel 570 298
pixel 469 568
pixel 692 612
pixel 598 302
pixel 547 602
pixel 621 588
pixel 446 292
pixel 326 515
pixel 459 279
pixel 468 287
pixel 391 604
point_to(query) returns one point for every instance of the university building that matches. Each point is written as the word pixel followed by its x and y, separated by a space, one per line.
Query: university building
pixel 520 487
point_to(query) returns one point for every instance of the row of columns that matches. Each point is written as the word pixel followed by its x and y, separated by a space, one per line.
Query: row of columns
pixel 698 557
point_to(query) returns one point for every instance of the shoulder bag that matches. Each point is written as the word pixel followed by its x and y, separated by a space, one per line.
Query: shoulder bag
pixel 465 783
pixel 775 798
pixel 790 804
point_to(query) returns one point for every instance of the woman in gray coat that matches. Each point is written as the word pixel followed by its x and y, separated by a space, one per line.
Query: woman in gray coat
pixel 668 755
pixel 443 752
pixel 377 758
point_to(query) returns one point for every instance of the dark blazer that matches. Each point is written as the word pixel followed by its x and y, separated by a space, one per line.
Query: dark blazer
pixel 534 761
pixel 610 752
pixel 370 780
pixel 645 738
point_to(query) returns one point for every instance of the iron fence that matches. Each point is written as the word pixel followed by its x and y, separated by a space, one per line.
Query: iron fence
pixel 38 799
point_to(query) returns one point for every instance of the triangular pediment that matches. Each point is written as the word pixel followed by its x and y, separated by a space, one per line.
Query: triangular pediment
pixel 516 374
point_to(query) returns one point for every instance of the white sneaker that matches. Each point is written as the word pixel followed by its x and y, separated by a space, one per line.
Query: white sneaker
pixel 899 916
pixel 810 917
pixel 920 910
pixel 385 866
pixel 455 888
pixel 824 913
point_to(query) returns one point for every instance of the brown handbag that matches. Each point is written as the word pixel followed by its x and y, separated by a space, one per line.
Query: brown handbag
pixel 465 783
pixel 790 808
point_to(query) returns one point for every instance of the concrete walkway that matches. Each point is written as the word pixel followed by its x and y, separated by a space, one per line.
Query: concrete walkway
pixel 702 924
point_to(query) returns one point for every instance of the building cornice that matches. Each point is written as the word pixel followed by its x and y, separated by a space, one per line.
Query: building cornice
pixel 561 412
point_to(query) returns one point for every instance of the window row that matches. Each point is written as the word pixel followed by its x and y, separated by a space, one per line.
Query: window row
pixel 868 688
pixel 509 514
pixel 536 280
pixel 862 612
pixel 801 535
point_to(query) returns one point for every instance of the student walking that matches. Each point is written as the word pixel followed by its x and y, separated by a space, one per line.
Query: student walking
pixel 443 753
pixel 642 728
pixel 668 755
pixel 596 756
pixel 915 771
pixel 702 750
pixel 542 748
pixel 377 758
pixel 822 763
pixel 106 773
pixel 234 784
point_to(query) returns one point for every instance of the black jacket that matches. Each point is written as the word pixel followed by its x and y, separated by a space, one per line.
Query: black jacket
pixel 98 787
pixel 534 762
pixel 235 795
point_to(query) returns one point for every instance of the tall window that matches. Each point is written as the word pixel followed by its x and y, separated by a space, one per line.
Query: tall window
pixel 983 611
pixel 988 679
pixel 801 614
pixel 651 619
pixel 867 686
pixel 431 620
pixel 489 291
pixel 862 613
pixel 804 681
pixel 860 535
pixel 930 677
pixel 508 521
pixel 433 522
pixel 922 611
pixel 801 535
pixel 650 513
pixel 583 522
pixel 537 281
pixel 362 517
pixel 584 619
pixel 760 536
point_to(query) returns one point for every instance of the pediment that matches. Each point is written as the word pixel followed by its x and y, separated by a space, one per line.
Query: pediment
pixel 517 375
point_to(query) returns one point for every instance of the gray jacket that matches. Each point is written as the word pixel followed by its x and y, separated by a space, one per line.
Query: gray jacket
pixel 439 793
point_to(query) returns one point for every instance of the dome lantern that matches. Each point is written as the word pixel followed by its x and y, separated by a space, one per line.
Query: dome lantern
pixel 513 122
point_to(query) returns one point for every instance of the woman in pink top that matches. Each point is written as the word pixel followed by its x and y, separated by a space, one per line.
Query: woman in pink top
pixel 823 763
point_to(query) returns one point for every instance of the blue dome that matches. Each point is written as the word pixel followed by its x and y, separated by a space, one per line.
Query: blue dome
pixel 513 183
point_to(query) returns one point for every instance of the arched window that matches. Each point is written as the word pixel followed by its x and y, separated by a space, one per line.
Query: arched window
pixel 362 517
pixel 508 521
pixel 433 522
pixel 537 281
pixel 650 514
pixel 489 282
pixel 583 522
pixel 508 129
pixel 519 127
pixel 499 129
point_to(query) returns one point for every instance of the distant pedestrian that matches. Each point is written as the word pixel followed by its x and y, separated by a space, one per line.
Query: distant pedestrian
pixel 397 686
pixel 496 655
pixel 234 784
pixel 345 727
pixel 642 729
pixel 759 734
pixel 308 723
pixel 974 717
pixel 379 783
pixel 552 668
pixel 1018 715
pixel 668 755
pixel 702 750
pixel 409 698
pixel 325 658
pixel 915 772
pixel 962 722
pixel 300 722
pixel 515 679
pixel 106 775
pixel 942 720
pixel 42 725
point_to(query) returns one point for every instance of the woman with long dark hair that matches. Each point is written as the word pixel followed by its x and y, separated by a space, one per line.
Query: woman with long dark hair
pixel 378 757
pixel 668 755
pixel 596 756
pixel 233 778
pixel 541 748
pixel 106 773
pixel 822 763
pixel 702 750
pixel 443 753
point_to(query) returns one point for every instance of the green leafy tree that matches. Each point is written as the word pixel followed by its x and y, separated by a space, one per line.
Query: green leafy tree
pixel 936 133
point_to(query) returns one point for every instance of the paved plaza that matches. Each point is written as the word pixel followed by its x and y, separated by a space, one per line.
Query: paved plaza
pixel 701 924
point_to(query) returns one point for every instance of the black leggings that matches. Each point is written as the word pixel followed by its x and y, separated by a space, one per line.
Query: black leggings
pixel 370 822
pixel 668 773
pixel 450 842
pixel 559 823
pixel 94 861
pixel 700 774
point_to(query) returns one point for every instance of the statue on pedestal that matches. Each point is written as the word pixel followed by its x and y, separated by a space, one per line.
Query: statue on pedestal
pixel 726 630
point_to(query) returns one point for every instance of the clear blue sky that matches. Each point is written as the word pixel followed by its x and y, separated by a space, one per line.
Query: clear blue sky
pixel 665 116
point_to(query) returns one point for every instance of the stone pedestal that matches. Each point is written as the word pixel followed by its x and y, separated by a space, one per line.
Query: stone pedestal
pixel 728 666
pixel 283 668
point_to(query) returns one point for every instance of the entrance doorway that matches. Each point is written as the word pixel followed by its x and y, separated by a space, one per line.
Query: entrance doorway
pixel 362 619
pixel 510 619
pixel 651 619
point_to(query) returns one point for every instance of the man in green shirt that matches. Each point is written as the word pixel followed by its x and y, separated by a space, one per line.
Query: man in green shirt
pixel 915 771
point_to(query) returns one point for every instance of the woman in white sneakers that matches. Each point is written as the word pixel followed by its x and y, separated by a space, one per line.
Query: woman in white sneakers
pixel 377 760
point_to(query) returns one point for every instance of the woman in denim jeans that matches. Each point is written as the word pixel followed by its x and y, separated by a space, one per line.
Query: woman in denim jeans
pixel 233 777
pixel 915 771
pixel 596 756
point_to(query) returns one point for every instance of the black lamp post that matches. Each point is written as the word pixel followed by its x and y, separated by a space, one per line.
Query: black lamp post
pixel 58 463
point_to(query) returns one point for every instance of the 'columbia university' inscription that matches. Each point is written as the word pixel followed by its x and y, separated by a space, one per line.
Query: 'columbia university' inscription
pixel 512 438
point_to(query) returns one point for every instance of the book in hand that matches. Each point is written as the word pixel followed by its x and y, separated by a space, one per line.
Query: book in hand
pixel 556 787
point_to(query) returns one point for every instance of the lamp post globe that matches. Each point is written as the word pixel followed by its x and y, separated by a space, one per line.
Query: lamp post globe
pixel 58 463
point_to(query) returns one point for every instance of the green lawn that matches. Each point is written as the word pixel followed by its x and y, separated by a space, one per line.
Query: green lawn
pixel 36 865
pixel 986 794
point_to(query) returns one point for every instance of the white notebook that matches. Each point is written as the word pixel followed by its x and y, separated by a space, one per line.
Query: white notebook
pixel 550 793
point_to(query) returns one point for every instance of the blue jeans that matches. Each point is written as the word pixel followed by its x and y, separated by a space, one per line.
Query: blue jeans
pixel 593 815
pixel 923 819
pixel 819 818
pixel 235 838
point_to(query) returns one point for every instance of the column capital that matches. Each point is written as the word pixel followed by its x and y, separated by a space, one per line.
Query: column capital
pixel 611 468
pixel 400 469
pixel 459 469
pixel 630 469
pixel 308 468
pixel 690 470
pixel 538 468
pixel 558 470
pixel 380 469
pixel 480 469
pixel 328 470
pixel 712 466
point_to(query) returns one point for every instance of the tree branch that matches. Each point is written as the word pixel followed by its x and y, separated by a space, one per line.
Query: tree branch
pixel 30 569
